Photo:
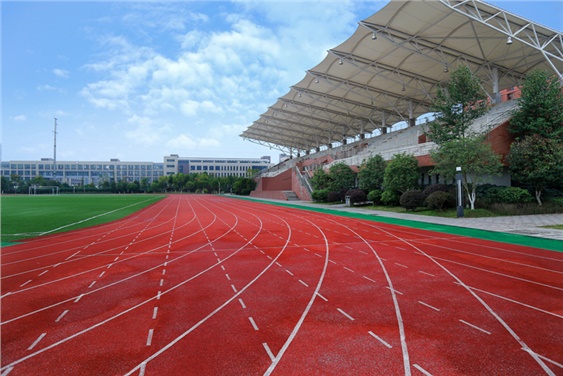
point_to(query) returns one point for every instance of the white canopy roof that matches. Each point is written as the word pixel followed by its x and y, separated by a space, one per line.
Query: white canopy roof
pixel 389 69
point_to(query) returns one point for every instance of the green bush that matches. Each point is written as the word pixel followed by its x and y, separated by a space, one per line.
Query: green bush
pixel 440 200
pixel 333 196
pixel 356 195
pixel 375 196
pixel 434 188
pixel 320 195
pixel 508 195
pixel 390 198
pixel 412 199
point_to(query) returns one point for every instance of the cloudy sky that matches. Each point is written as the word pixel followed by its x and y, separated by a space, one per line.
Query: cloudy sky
pixel 139 81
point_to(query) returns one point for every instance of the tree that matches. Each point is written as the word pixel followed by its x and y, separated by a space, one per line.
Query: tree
pixel 372 172
pixel 320 180
pixel 457 106
pixel 540 108
pixel 537 161
pixel 342 177
pixel 401 173
pixel 476 158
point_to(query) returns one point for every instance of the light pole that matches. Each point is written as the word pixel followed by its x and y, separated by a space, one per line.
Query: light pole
pixel 459 193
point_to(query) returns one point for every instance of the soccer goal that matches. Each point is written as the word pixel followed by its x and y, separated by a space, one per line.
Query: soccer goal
pixel 42 190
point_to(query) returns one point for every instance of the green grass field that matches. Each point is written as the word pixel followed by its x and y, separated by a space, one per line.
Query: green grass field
pixel 29 216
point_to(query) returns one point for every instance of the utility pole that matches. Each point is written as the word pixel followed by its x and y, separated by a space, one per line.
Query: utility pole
pixel 55 152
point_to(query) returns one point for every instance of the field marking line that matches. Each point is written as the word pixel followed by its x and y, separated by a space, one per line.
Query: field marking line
pixel 43 272
pixel 429 306
pixel 253 323
pixel 242 303
pixel 478 298
pixel 368 278
pixel 71 256
pixel 268 351
pixel 431 275
pixel 425 372
pixel 234 288
pixel 322 297
pixel 303 283
pixel 380 339
pixel 345 314
pixel 547 359
pixel 350 270
pixel 154 313
pixel 515 302
pixel 25 283
pixel 498 273
pixel 94 217
pixel 219 308
pixel 475 327
pixel 492 258
pixel 401 265
pixel 288 272
pixel 36 341
pixel 7 371
pixel 149 337
pixel 61 315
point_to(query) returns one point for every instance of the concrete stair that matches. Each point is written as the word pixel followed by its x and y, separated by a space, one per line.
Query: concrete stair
pixel 291 196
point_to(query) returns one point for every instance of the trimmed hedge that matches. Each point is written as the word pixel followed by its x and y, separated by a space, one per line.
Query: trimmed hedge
pixel 412 199
pixel 440 200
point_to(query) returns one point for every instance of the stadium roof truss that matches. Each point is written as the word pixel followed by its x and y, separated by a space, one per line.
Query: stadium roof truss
pixel 389 70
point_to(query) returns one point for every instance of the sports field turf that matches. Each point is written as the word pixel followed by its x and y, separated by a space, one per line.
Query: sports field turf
pixel 29 216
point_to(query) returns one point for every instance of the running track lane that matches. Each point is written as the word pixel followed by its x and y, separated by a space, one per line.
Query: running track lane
pixel 213 285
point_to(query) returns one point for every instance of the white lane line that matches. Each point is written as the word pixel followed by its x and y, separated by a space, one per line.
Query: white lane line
pixel 158 295
pixel 278 264
pixel 37 341
pixel 429 306
pixel 350 270
pixel 253 323
pixel 544 358
pixel 425 372
pixel 61 316
pixel 290 273
pixel 149 337
pixel 7 371
pixel 161 282
pixel 142 369
pixel 345 314
pixel 226 275
pixel 369 279
pixel 401 265
pixel 398 292
pixel 43 273
pixel 268 256
pixel 154 312
pixel 431 275
pixel 71 256
pixel 316 254
pixel 109 266
pixel 115 259
pixel 475 327
pixel 165 264
pixel 270 354
pixel 346 246
pixel 222 267
pixel 322 297
pixel 92 284
pixel 101 274
pixel 365 253
pixel 303 283
pixel 242 303
pixel 163 271
pixel 332 261
pixel 56 265
pixel 79 297
pixel 25 283
pixel 234 288
pixel 380 339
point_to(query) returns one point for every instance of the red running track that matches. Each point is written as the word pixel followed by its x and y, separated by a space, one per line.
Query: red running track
pixel 209 285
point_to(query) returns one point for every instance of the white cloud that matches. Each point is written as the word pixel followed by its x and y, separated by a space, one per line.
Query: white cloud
pixel 20 118
pixel 144 131
pixel 185 144
pixel 62 73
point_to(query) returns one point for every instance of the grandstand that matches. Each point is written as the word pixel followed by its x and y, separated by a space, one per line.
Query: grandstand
pixel 387 73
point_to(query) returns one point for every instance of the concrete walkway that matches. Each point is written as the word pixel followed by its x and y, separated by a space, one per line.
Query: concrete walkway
pixel 529 225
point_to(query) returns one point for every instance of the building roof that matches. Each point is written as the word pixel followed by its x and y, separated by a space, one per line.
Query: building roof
pixel 389 70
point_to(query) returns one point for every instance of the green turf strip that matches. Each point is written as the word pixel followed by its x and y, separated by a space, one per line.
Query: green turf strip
pixel 26 216
pixel 529 241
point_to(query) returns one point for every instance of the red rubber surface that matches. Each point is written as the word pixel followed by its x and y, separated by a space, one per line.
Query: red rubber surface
pixel 207 285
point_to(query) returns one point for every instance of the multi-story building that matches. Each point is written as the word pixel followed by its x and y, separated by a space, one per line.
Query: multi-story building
pixel 77 173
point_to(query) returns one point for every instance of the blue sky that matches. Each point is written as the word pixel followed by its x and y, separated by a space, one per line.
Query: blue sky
pixel 138 81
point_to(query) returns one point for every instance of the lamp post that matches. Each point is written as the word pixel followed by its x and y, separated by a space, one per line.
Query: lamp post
pixel 459 193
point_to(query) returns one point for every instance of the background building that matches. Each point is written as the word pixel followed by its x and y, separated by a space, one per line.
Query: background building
pixel 78 173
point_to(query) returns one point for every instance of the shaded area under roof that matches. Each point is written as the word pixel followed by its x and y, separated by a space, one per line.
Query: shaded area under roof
pixel 389 70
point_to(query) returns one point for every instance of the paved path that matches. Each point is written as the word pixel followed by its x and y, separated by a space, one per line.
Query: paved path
pixel 530 225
